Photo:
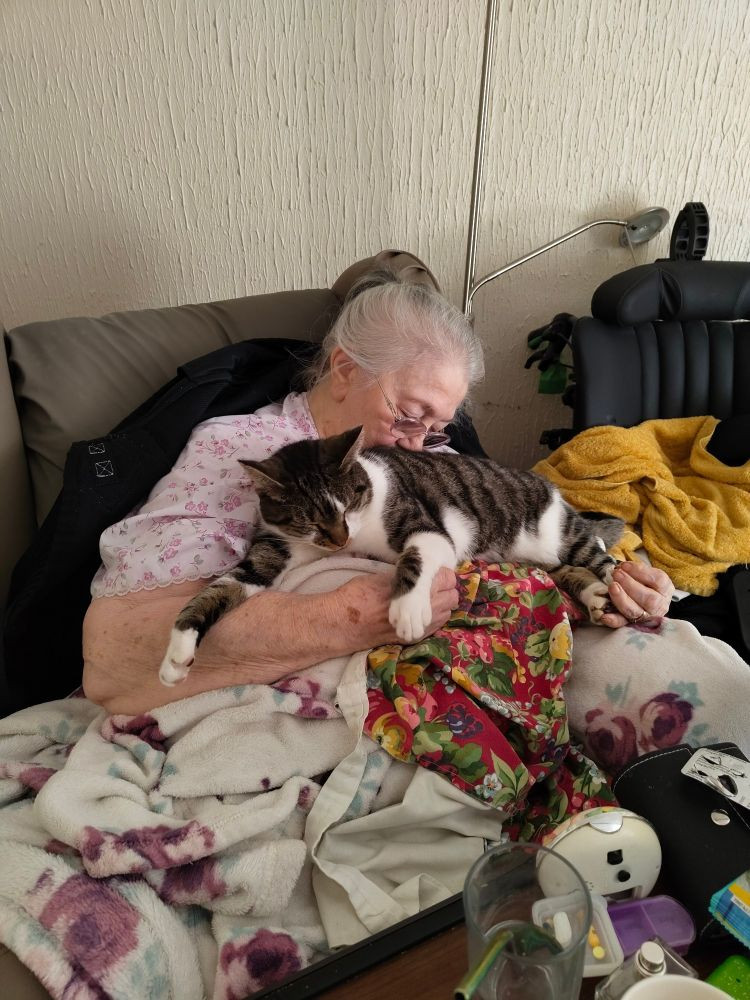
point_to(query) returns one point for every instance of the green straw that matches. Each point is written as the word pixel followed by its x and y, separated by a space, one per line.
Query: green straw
pixel 527 937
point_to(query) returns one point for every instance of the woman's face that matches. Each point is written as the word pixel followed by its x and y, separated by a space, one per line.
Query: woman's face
pixel 431 396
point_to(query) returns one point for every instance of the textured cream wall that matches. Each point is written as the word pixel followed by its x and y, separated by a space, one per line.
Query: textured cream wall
pixel 183 150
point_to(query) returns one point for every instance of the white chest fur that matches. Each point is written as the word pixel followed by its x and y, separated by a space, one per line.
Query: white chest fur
pixel 366 531
pixel 541 547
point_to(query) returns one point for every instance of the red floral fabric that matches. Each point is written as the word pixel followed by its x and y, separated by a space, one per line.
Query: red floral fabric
pixel 481 701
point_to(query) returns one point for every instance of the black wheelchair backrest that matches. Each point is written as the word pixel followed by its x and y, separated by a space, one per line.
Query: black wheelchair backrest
pixel 668 339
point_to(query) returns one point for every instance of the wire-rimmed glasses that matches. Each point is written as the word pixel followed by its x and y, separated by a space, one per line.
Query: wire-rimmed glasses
pixel 408 427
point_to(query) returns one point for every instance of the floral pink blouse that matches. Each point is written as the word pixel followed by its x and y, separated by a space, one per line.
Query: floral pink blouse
pixel 198 520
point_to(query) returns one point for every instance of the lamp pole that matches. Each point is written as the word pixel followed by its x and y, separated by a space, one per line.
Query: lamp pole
pixel 635 230
pixel 476 184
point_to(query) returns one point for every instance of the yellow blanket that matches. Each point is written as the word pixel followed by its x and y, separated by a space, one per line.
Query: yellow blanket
pixel 689 511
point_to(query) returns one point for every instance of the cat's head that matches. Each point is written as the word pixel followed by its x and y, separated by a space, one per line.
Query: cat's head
pixel 308 488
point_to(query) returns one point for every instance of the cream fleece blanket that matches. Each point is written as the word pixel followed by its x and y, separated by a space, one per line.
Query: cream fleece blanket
pixel 165 855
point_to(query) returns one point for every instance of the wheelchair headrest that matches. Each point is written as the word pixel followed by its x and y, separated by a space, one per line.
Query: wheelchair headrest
pixel 675 290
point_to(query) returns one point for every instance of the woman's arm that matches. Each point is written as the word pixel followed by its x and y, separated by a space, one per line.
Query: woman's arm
pixel 269 636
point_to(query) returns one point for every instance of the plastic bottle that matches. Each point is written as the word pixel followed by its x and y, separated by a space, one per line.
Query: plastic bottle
pixel 653 958
pixel 649 960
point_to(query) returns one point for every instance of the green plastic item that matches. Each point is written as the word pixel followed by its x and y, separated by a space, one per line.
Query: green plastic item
pixel 554 379
pixel 733 977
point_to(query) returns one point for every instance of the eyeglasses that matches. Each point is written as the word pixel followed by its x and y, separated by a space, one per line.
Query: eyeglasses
pixel 408 427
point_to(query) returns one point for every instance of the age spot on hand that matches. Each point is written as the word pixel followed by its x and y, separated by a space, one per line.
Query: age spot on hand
pixel 353 614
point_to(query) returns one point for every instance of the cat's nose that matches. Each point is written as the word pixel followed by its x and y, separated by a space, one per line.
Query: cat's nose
pixel 338 535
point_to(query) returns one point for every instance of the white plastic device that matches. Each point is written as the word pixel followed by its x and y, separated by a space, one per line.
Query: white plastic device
pixel 615 851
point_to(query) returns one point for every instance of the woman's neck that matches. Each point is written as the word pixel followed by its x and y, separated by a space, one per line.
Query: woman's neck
pixel 325 411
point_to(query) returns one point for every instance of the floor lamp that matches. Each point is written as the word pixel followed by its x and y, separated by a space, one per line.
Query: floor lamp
pixel 637 229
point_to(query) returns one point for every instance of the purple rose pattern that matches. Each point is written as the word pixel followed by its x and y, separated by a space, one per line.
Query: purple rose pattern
pixel 94 924
pixel 196 883
pixel 248 966
pixel 664 721
pixel 312 706
pixel 144 726
pixel 144 848
pixel 617 735
pixel 611 740
pixel 33 776
pixel 307 795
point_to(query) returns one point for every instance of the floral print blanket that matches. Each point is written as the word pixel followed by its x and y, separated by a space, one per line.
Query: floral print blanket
pixel 481 701
pixel 650 687
pixel 163 855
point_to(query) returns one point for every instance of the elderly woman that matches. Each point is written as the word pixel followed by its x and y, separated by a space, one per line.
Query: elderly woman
pixel 399 360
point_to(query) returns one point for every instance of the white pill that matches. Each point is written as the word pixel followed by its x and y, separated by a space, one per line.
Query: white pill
pixel 562 928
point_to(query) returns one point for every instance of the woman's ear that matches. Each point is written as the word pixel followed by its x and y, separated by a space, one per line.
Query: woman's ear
pixel 342 373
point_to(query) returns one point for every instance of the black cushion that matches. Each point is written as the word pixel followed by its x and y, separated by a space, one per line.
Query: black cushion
pixel 626 374
pixel 675 289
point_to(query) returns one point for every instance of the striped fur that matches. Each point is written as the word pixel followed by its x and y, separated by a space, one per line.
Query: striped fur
pixel 419 510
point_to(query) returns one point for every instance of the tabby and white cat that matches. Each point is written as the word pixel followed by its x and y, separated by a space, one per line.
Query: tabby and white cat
pixel 418 510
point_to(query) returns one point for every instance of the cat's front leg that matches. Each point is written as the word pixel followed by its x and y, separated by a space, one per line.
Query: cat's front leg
pixel 267 558
pixel 410 611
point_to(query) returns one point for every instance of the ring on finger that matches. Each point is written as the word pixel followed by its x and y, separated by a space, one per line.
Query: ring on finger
pixel 639 618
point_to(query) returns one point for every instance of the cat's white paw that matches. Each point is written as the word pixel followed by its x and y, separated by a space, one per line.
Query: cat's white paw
pixel 595 598
pixel 410 614
pixel 180 655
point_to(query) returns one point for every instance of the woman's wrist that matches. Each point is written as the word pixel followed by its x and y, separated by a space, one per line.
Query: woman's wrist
pixel 358 612
pixel 327 622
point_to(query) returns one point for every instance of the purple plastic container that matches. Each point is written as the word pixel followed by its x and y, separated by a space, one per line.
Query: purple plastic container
pixel 639 920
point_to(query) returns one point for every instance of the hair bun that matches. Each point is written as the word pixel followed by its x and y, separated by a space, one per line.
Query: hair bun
pixel 375 278
pixel 408 269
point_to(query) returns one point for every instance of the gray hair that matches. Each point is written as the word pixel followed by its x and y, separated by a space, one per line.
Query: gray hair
pixel 385 325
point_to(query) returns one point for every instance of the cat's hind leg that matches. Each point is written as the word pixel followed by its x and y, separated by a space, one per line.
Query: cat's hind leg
pixel 410 611
pixel 267 557
pixel 586 569
pixel 586 587
pixel 585 543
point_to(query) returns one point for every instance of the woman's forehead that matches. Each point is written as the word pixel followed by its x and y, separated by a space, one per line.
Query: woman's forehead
pixel 440 387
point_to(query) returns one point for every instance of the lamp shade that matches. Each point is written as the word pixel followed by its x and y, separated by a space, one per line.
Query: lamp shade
pixel 644 226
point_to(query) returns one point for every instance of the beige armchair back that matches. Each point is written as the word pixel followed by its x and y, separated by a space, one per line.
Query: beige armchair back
pixel 73 379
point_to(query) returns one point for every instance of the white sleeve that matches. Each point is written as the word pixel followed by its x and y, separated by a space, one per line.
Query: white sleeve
pixel 197 521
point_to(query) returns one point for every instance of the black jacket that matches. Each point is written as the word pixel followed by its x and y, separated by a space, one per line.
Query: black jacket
pixel 104 480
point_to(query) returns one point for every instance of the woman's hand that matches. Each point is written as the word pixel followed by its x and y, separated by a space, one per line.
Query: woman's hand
pixel 365 600
pixel 639 592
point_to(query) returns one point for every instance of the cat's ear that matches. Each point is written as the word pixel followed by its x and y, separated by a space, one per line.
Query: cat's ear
pixel 343 449
pixel 262 476
pixel 357 437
